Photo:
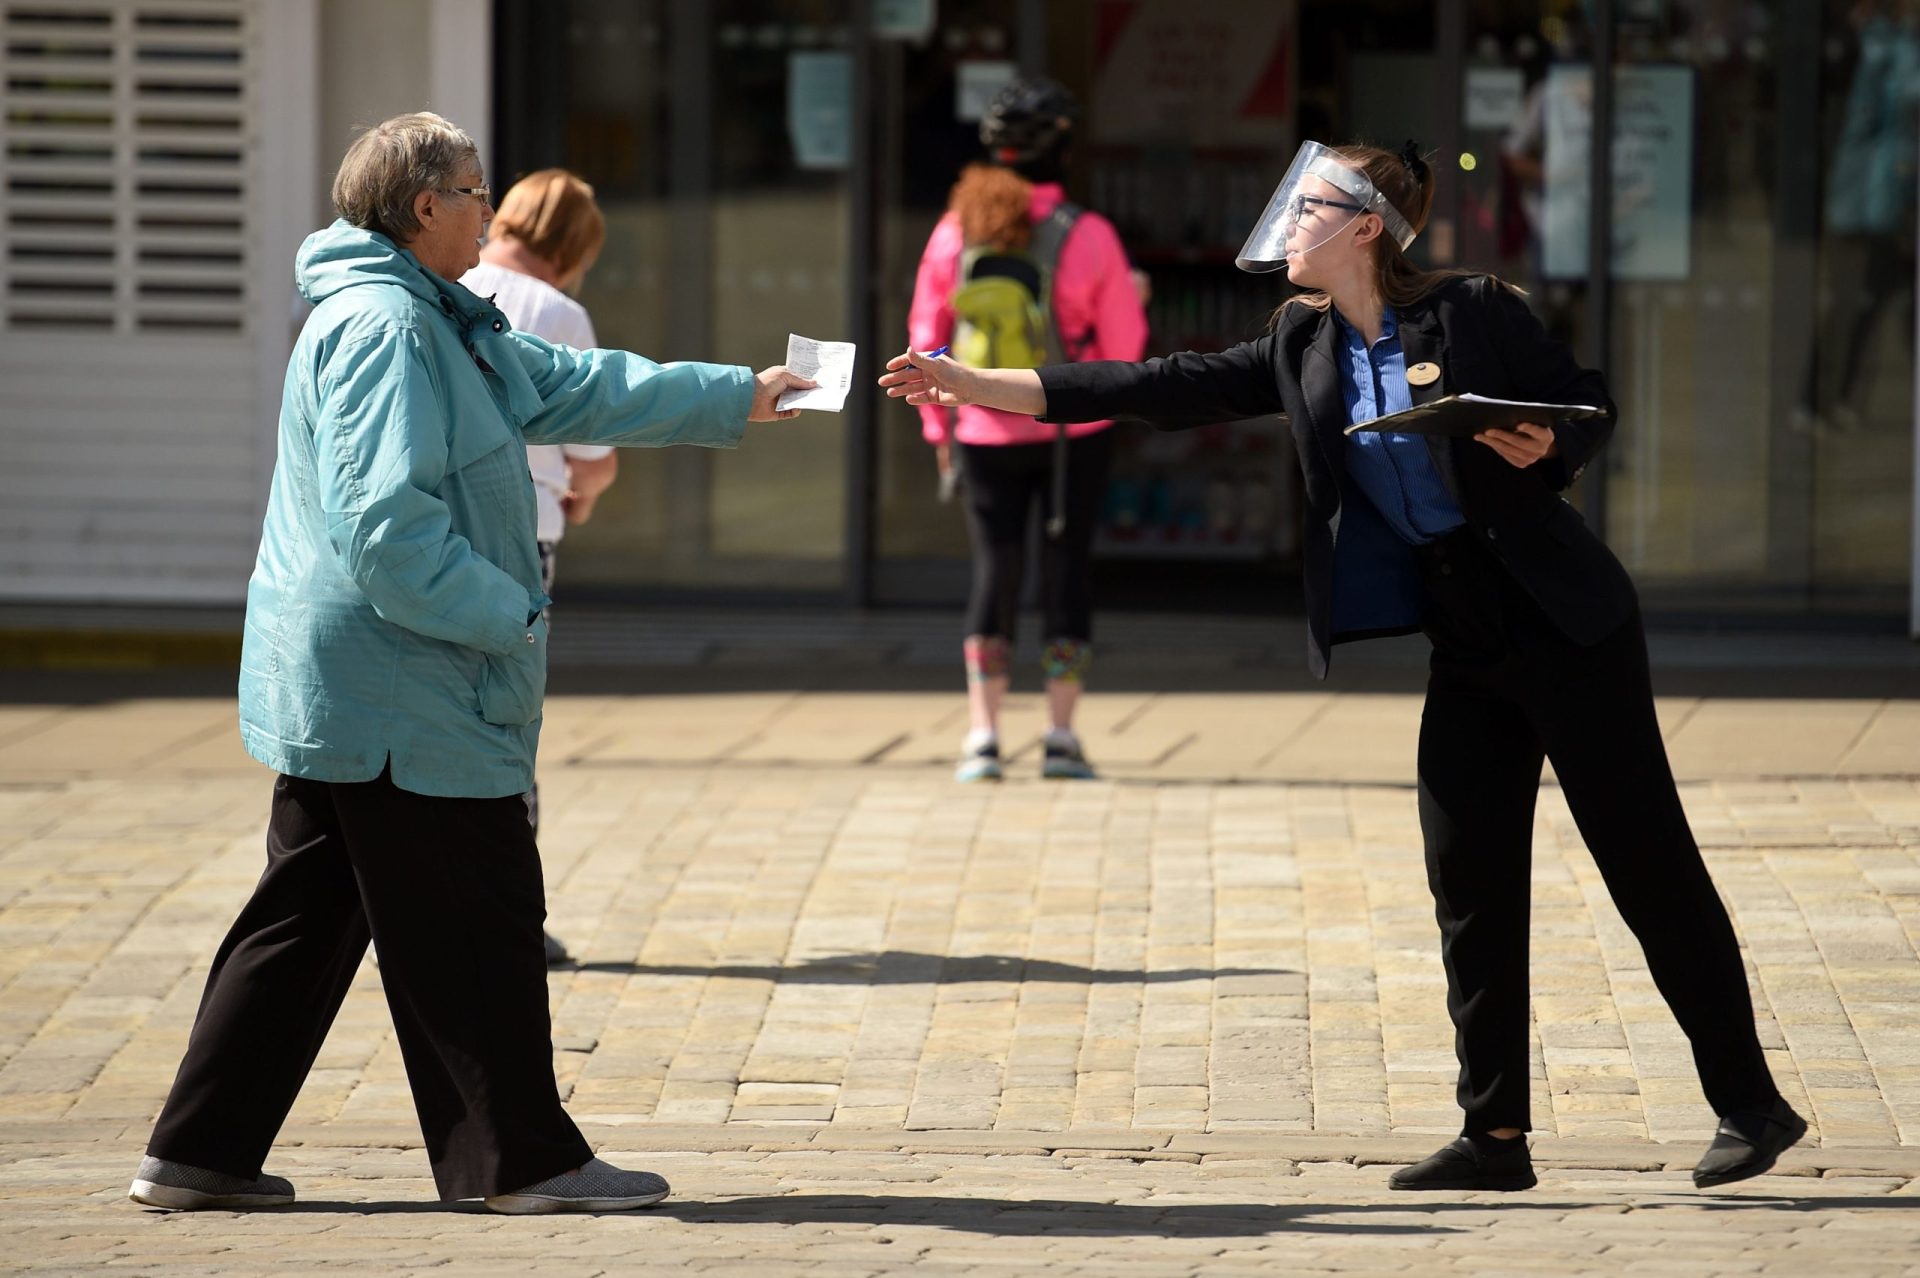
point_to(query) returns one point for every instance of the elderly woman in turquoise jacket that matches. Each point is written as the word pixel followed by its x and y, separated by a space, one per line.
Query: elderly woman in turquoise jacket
pixel 392 674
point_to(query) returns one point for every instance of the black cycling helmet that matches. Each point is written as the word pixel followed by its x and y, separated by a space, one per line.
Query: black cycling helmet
pixel 1027 120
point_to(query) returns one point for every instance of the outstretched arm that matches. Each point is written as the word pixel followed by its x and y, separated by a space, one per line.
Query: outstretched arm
pixel 923 379
pixel 617 397
pixel 1173 393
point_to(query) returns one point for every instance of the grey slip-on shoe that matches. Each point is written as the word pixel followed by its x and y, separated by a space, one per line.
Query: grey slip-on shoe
pixel 599 1186
pixel 178 1187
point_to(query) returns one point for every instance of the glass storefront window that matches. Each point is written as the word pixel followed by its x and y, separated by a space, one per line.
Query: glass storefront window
pixel 923 142
pixel 1763 338
pixel 1857 399
pixel 727 229
pixel 1756 316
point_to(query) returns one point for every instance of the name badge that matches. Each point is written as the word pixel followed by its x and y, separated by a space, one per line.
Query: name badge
pixel 1423 374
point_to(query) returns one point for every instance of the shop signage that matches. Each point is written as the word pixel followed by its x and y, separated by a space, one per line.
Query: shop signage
pixel 820 108
pixel 903 19
pixel 1652 172
pixel 976 83
pixel 1214 74
pixel 1493 97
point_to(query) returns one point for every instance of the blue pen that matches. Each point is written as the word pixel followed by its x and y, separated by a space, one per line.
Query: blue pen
pixel 933 354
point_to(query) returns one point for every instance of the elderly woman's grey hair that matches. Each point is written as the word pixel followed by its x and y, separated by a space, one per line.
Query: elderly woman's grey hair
pixel 390 164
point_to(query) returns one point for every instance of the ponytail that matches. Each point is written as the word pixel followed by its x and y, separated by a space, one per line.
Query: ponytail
pixel 995 208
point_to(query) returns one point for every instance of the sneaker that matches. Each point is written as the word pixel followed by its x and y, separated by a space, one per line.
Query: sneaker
pixel 979 762
pixel 1501 1165
pixel 599 1186
pixel 1064 760
pixel 178 1187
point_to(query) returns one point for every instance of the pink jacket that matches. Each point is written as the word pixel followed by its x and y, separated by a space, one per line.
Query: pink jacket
pixel 1095 305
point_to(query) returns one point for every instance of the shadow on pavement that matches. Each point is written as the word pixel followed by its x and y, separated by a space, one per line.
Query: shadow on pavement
pixel 1063 1217
pixel 374 1207
pixel 1001 1217
pixel 899 967
pixel 1069 1217
pixel 1736 1201
pixel 1034 1217
pixel 1837 671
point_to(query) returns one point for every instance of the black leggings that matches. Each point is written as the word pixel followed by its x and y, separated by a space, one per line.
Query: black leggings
pixel 1004 484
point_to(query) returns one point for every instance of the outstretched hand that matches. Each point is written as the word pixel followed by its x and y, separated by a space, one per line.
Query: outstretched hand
pixel 1522 446
pixel 923 379
pixel 769 384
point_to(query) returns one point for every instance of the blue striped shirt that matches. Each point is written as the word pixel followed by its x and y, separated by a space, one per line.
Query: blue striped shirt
pixel 1396 472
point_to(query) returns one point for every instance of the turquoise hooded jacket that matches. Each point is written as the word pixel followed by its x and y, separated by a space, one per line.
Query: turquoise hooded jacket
pixel 393 616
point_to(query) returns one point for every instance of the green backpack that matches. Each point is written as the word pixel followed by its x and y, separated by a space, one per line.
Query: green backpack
pixel 1003 304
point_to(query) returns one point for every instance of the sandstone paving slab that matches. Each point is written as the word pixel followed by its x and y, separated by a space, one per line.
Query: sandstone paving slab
pixel 698 728
pixel 1889 743
pixel 1150 992
pixel 1155 1011
pixel 1752 736
pixel 895 1213
pixel 112 739
pixel 1359 737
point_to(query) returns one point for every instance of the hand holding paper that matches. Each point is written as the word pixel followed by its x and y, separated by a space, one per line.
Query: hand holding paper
pixel 828 365
pixel 769 385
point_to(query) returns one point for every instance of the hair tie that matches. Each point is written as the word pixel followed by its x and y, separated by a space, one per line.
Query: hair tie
pixel 1410 156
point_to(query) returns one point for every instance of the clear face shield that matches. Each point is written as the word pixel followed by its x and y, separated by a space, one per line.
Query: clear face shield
pixel 1320 196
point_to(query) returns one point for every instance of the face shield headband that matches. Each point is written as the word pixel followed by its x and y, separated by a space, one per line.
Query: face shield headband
pixel 1307 207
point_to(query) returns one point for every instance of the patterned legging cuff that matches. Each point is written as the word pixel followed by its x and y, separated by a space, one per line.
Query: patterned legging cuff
pixel 986 657
pixel 1067 659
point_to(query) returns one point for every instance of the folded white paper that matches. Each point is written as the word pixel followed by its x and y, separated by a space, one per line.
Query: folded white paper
pixel 829 363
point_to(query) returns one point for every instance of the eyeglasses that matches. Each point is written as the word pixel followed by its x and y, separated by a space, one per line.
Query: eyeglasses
pixel 485 193
pixel 1300 204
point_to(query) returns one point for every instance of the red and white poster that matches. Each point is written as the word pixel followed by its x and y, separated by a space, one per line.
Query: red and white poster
pixel 1208 73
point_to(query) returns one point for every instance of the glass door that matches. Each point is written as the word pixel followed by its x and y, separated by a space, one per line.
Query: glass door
pixel 1188 115
pixel 1763 267
pixel 930 85
pixel 716 134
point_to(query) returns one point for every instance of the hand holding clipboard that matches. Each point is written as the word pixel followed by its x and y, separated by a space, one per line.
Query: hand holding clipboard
pixel 1468 415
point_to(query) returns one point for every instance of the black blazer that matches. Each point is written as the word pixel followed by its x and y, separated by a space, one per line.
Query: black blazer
pixel 1360 578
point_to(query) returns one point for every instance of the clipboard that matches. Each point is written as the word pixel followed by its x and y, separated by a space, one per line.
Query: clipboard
pixel 1467 415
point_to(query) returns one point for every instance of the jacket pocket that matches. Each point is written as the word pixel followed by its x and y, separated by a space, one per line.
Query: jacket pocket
pixel 514 687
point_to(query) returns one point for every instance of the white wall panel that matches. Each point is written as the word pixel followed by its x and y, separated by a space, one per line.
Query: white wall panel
pixel 152 193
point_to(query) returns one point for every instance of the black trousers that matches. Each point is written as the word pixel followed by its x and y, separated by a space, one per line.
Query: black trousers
pixel 1006 484
pixel 1506 689
pixel 450 889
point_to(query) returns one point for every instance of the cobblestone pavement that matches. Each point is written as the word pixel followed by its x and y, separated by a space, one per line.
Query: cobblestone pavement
pixel 869 1021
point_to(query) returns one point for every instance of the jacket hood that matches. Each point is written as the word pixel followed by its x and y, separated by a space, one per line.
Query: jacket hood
pixel 344 256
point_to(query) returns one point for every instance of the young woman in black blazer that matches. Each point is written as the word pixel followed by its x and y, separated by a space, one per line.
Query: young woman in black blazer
pixel 1538 649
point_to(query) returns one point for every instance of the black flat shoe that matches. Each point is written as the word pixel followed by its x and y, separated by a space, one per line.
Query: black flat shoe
pixel 1748 1143
pixel 1465 1165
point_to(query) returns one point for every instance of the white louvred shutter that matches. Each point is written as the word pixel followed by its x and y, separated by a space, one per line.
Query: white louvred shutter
pixel 129 321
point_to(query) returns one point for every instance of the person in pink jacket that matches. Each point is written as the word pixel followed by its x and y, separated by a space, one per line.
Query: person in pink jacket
pixel 1011 217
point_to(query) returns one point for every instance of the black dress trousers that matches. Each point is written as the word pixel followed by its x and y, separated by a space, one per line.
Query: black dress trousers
pixel 451 893
pixel 1506 689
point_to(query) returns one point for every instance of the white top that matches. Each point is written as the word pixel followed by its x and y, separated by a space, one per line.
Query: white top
pixel 537 307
